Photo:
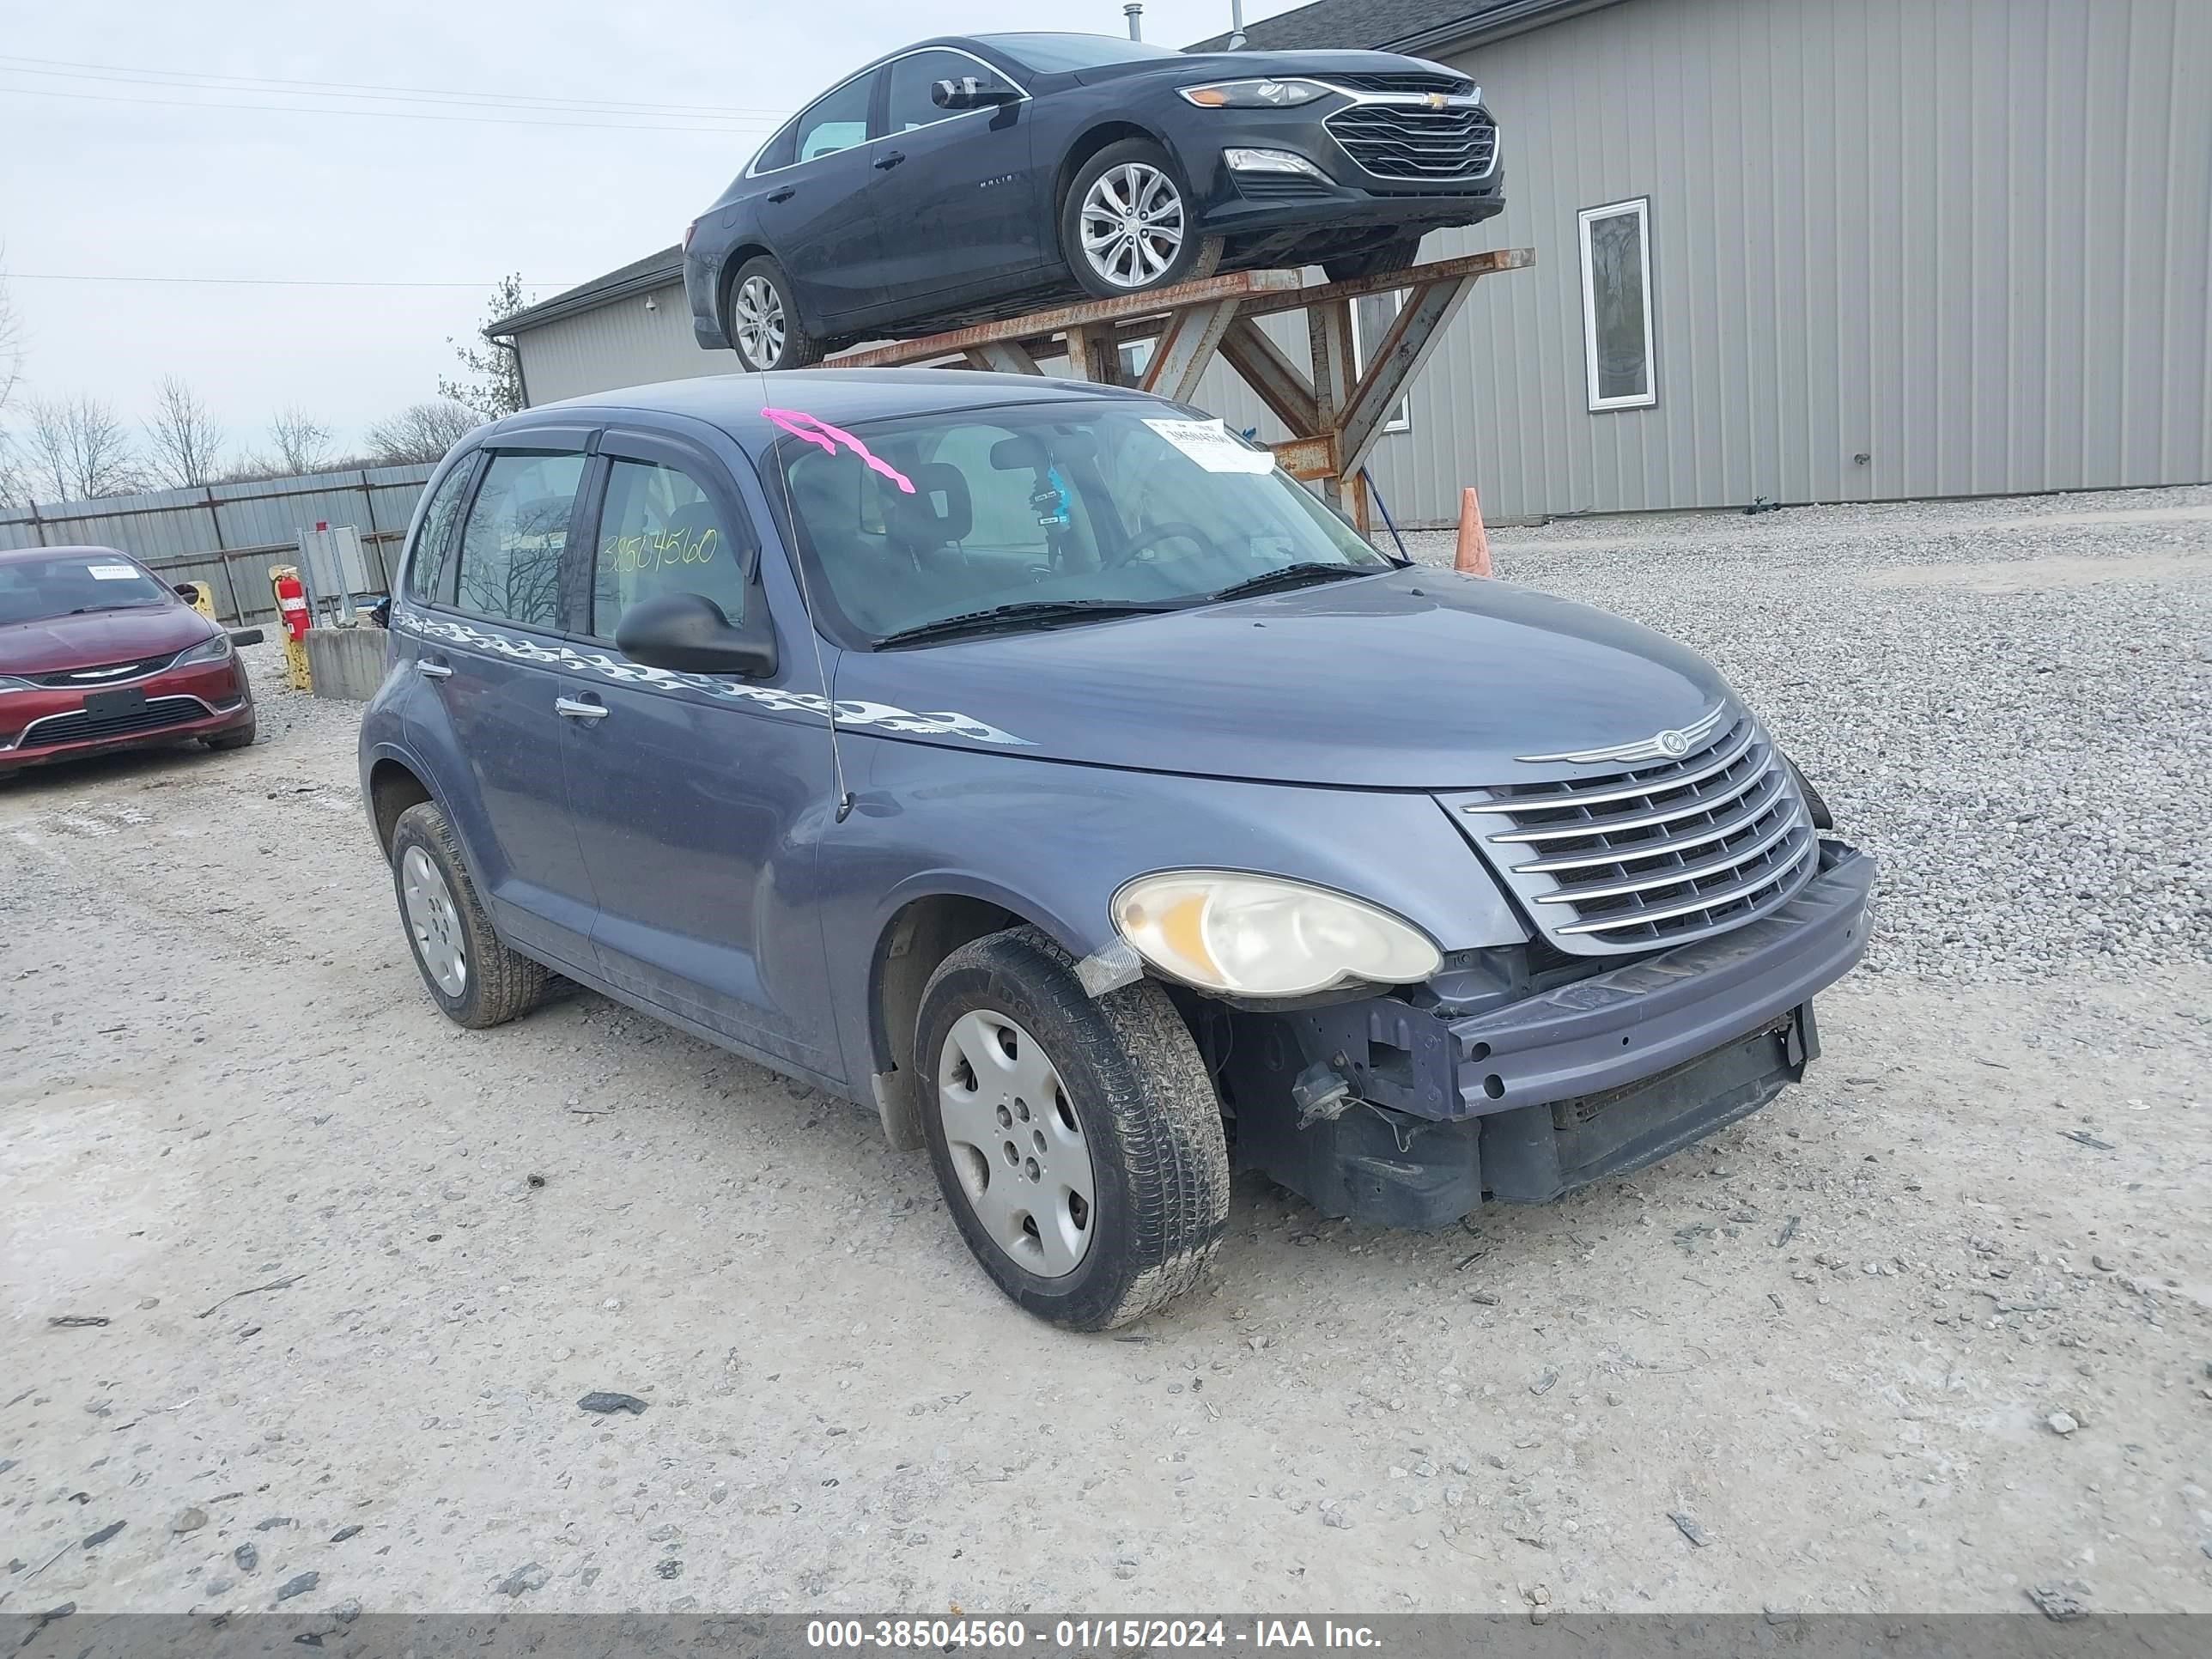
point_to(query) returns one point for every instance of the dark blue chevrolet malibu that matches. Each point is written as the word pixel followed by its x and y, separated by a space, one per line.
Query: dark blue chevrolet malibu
pixel 1037 763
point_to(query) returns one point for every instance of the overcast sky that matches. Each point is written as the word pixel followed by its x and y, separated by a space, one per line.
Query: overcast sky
pixel 118 158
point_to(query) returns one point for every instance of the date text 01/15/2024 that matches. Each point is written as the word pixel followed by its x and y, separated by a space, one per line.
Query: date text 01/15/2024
pixel 1074 1635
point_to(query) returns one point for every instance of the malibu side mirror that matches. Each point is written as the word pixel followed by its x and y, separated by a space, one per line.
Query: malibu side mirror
pixel 688 633
pixel 969 92
pixel 188 591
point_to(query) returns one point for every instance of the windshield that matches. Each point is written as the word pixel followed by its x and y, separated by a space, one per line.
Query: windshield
pixel 1056 54
pixel 1038 505
pixel 32 590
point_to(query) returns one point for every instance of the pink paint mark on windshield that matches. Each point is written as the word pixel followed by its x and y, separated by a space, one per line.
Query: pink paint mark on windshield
pixel 816 431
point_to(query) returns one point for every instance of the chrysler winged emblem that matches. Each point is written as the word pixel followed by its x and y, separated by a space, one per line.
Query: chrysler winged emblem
pixel 1670 744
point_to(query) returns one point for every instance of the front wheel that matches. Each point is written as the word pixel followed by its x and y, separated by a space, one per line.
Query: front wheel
pixel 764 324
pixel 1127 223
pixel 1077 1140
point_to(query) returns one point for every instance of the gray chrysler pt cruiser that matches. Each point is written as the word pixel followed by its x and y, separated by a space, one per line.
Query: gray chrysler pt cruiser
pixel 1036 764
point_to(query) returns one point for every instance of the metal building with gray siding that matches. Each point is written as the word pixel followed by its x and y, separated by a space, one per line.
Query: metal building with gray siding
pixel 1885 249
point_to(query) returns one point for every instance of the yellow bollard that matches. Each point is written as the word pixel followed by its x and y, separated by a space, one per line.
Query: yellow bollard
pixel 291 601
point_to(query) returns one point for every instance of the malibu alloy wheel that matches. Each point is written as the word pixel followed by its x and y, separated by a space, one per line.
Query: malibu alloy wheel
pixel 1127 223
pixel 764 325
pixel 1078 1139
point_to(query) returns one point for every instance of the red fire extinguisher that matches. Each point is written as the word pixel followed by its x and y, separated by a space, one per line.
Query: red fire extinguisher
pixel 292 601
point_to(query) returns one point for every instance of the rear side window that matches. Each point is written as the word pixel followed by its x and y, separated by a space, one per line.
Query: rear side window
pixel 660 533
pixel 426 564
pixel 511 547
pixel 837 120
pixel 777 152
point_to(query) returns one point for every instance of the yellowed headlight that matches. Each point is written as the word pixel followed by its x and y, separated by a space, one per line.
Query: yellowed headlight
pixel 1263 936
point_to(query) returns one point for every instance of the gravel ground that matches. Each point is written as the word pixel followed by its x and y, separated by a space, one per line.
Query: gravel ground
pixel 1932 1332
pixel 2009 701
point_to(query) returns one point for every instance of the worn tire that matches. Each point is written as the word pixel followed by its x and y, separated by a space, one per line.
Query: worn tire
pixel 1200 256
pixel 501 983
pixel 800 349
pixel 1400 253
pixel 1147 1109
pixel 242 738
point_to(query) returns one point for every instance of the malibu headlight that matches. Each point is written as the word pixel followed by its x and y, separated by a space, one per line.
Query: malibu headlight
pixel 1261 936
pixel 215 648
pixel 1254 94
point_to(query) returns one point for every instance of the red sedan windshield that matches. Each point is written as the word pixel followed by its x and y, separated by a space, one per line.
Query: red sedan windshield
pixel 68 585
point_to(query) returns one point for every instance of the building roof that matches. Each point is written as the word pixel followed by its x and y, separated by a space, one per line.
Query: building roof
pixel 638 277
pixel 1411 26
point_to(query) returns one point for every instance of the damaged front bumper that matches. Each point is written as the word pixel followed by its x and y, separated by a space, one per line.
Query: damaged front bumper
pixel 1391 1111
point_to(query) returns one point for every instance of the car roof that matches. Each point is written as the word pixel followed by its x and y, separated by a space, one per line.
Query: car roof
pixel 841 397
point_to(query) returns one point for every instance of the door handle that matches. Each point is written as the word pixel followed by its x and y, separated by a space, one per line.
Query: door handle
pixel 570 709
pixel 432 671
pixel 885 163
pixel 783 195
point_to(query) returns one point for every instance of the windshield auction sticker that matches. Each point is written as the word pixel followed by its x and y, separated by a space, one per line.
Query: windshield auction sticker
pixel 111 573
pixel 1209 444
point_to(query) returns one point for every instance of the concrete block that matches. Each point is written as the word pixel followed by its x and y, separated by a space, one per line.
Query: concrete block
pixel 346 662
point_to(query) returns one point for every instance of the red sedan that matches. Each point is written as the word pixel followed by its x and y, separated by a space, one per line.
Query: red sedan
pixel 97 653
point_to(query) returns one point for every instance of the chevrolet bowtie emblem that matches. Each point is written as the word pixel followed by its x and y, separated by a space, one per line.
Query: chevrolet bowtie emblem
pixel 1436 100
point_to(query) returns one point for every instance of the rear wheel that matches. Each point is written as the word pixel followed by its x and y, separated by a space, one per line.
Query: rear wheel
pixel 1127 223
pixel 1077 1140
pixel 1399 253
pixel 764 324
pixel 476 979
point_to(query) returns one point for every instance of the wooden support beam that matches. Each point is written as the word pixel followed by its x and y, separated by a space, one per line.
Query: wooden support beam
pixel 1278 382
pixel 1236 284
pixel 1092 354
pixel 1328 339
pixel 1179 361
pixel 1002 356
pixel 1413 339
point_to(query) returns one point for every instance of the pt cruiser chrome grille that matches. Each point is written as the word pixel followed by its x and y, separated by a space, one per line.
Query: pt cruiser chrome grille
pixel 1656 855
pixel 1414 142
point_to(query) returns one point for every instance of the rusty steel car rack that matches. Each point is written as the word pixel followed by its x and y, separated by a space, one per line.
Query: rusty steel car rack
pixel 1334 415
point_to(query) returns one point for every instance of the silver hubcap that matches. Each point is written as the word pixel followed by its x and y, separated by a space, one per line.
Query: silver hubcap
pixel 1015 1143
pixel 756 313
pixel 432 923
pixel 1132 224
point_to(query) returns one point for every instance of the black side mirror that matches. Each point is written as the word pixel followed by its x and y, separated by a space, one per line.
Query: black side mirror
pixel 969 92
pixel 688 633
pixel 187 593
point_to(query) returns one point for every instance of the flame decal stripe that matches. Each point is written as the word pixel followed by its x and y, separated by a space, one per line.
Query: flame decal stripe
pixel 882 716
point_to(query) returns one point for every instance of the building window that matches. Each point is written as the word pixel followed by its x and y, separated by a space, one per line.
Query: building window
pixel 1371 316
pixel 1616 246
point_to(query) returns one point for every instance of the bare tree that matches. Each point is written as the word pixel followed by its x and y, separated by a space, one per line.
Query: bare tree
pixel 303 443
pixel 493 384
pixel 79 450
pixel 420 432
pixel 15 479
pixel 185 444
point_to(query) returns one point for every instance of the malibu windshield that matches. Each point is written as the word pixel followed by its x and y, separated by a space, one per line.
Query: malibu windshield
pixel 1048 513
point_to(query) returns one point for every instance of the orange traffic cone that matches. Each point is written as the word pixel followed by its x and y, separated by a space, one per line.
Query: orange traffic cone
pixel 1473 557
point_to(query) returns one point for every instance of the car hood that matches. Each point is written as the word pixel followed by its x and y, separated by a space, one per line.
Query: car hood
pixel 1194 68
pixel 99 636
pixel 1418 680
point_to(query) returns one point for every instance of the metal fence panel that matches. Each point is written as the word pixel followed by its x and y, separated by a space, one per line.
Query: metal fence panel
pixel 178 523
